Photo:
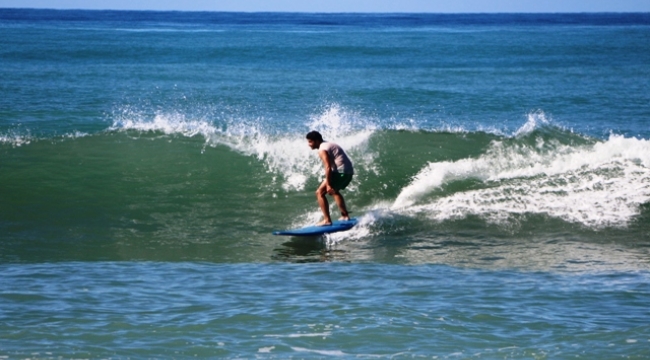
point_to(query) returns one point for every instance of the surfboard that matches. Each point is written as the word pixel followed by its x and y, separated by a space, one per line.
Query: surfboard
pixel 339 225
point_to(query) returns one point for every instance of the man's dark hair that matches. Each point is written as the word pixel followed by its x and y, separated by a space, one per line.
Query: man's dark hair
pixel 315 136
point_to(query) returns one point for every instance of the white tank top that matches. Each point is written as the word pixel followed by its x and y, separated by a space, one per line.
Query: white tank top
pixel 338 157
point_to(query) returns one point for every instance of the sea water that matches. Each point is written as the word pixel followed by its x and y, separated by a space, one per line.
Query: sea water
pixel 502 185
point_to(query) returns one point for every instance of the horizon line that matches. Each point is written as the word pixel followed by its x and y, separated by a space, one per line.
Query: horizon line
pixel 330 12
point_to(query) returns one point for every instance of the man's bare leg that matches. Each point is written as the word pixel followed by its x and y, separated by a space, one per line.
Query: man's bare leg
pixel 321 193
pixel 340 202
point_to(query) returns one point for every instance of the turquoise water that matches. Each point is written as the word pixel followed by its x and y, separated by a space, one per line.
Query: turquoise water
pixel 136 309
pixel 502 187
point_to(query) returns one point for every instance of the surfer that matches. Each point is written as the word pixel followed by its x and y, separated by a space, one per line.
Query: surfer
pixel 338 174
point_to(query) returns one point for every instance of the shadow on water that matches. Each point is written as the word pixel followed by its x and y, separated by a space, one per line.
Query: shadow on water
pixel 308 249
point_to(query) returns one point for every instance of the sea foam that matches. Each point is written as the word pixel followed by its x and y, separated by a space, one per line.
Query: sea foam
pixel 285 155
pixel 599 184
pixel 15 140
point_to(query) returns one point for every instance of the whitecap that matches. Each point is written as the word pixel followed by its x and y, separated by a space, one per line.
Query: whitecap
pixel 603 184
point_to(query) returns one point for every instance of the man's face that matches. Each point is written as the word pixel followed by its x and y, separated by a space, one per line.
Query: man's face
pixel 312 144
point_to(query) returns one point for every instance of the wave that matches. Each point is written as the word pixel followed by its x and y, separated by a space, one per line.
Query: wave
pixel 403 171
pixel 538 169
pixel 598 184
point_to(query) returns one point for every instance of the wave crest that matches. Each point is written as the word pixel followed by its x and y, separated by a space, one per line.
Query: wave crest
pixel 286 155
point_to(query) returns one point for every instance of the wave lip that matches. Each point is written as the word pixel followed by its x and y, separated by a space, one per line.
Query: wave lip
pixel 286 155
pixel 166 123
pixel 15 140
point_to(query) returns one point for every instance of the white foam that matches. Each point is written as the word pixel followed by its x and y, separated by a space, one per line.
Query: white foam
pixel 536 120
pixel 290 156
pixel 596 185
pixel 76 135
pixel 293 336
pixel 363 229
pixel 320 352
pixel 286 155
pixel 15 139
pixel 266 350
pixel 167 123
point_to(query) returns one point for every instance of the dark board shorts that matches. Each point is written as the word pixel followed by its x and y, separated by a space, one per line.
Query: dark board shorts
pixel 340 181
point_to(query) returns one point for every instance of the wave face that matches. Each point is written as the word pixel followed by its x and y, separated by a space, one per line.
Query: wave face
pixel 176 181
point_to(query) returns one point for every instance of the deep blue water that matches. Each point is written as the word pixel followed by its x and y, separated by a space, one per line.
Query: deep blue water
pixel 502 185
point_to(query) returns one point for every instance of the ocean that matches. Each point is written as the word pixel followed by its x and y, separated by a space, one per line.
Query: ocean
pixel 502 185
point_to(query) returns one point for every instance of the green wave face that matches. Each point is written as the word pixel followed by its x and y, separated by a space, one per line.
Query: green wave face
pixel 148 192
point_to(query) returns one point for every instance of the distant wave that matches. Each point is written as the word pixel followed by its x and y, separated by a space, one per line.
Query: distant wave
pixel 20 138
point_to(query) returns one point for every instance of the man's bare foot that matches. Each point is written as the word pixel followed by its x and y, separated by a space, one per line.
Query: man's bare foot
pixel 344 218
pixel 324 223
